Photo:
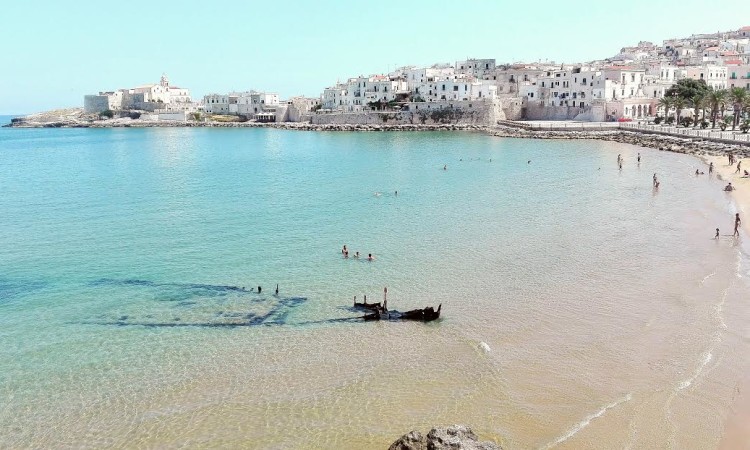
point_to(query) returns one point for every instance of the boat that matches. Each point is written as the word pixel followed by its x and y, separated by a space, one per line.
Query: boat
pixel 427 314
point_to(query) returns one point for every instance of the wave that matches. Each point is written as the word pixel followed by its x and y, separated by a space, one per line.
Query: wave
pixel 587 420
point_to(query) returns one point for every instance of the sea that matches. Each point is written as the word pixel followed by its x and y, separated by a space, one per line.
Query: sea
pixel 581 307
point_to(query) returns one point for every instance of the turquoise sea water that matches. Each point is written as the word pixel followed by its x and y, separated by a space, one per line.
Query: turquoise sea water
pixel 128 256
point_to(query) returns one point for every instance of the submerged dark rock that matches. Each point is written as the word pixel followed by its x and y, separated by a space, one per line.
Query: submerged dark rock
pixel 455 437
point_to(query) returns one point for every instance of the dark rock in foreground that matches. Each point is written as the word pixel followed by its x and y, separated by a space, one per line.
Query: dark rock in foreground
pixel 456 437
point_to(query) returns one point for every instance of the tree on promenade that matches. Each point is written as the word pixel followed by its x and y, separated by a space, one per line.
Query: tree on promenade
pixel 679 104
pixel 666 103
pixel 717 99
pixel 738 97
pixel 687 88
pixel 698 103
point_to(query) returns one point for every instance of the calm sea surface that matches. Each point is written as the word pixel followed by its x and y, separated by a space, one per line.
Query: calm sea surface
pixel 581 308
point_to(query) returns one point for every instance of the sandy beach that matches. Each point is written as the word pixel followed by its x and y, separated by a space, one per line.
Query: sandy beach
pixel 741 194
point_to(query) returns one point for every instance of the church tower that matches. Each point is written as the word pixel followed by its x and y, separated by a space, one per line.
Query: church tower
pixel 164 80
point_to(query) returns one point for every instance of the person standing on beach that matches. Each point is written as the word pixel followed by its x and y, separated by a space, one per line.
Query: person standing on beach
pixel 655 180
pixel 737 223
pixel 711 168
pixel 738 167
pixel 639 158
pixel 717 234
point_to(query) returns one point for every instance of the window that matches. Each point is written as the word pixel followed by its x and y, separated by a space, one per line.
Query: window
pixel 443 87
pixel 455 88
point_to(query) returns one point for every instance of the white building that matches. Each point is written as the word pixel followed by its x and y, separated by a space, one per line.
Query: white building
pixel 216 104
pixel 715 76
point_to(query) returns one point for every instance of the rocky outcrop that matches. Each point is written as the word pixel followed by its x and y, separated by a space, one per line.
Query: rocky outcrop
pixel 456 437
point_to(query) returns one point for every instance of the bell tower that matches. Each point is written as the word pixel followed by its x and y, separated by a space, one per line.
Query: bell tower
pixel 164 80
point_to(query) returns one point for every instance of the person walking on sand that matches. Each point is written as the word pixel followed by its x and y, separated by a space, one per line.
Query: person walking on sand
pixel 717 234
pixel 655 181
pixel 737 223
pixel 639 158
pixel 710 168
pixel 738 167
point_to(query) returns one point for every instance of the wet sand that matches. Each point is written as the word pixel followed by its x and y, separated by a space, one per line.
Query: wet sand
pixel 737 425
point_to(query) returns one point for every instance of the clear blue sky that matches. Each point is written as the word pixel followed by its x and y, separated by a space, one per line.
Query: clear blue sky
pixel 54 52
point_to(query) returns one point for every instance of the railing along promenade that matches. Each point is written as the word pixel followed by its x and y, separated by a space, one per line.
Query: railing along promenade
pixel 731 137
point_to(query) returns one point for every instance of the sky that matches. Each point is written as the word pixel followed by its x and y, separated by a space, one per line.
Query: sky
pixel 54 52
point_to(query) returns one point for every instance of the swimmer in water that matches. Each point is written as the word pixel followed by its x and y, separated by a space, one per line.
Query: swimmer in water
pixel 370 257
pixel 445 167
pixel 277 288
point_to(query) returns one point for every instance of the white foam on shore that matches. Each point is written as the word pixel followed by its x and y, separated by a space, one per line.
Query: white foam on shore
pixel 586 421
pixel 687 382
pixel 707 277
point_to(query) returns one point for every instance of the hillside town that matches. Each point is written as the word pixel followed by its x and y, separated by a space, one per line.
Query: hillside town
pixel 630 85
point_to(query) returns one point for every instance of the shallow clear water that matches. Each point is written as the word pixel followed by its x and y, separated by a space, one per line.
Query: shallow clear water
pixel 612 317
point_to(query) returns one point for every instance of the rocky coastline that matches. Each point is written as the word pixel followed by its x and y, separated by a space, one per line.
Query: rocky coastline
pixel 74 119
pixel 679 144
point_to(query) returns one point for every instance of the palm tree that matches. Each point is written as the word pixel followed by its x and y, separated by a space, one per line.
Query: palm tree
pixel 666 103
pixel 737 96
pixel 699 103
pixel 717 99
pixel 679 104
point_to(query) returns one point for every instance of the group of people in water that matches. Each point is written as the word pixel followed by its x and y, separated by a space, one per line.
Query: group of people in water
pixel 345 254
pixel 727 188
pixel 620 160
